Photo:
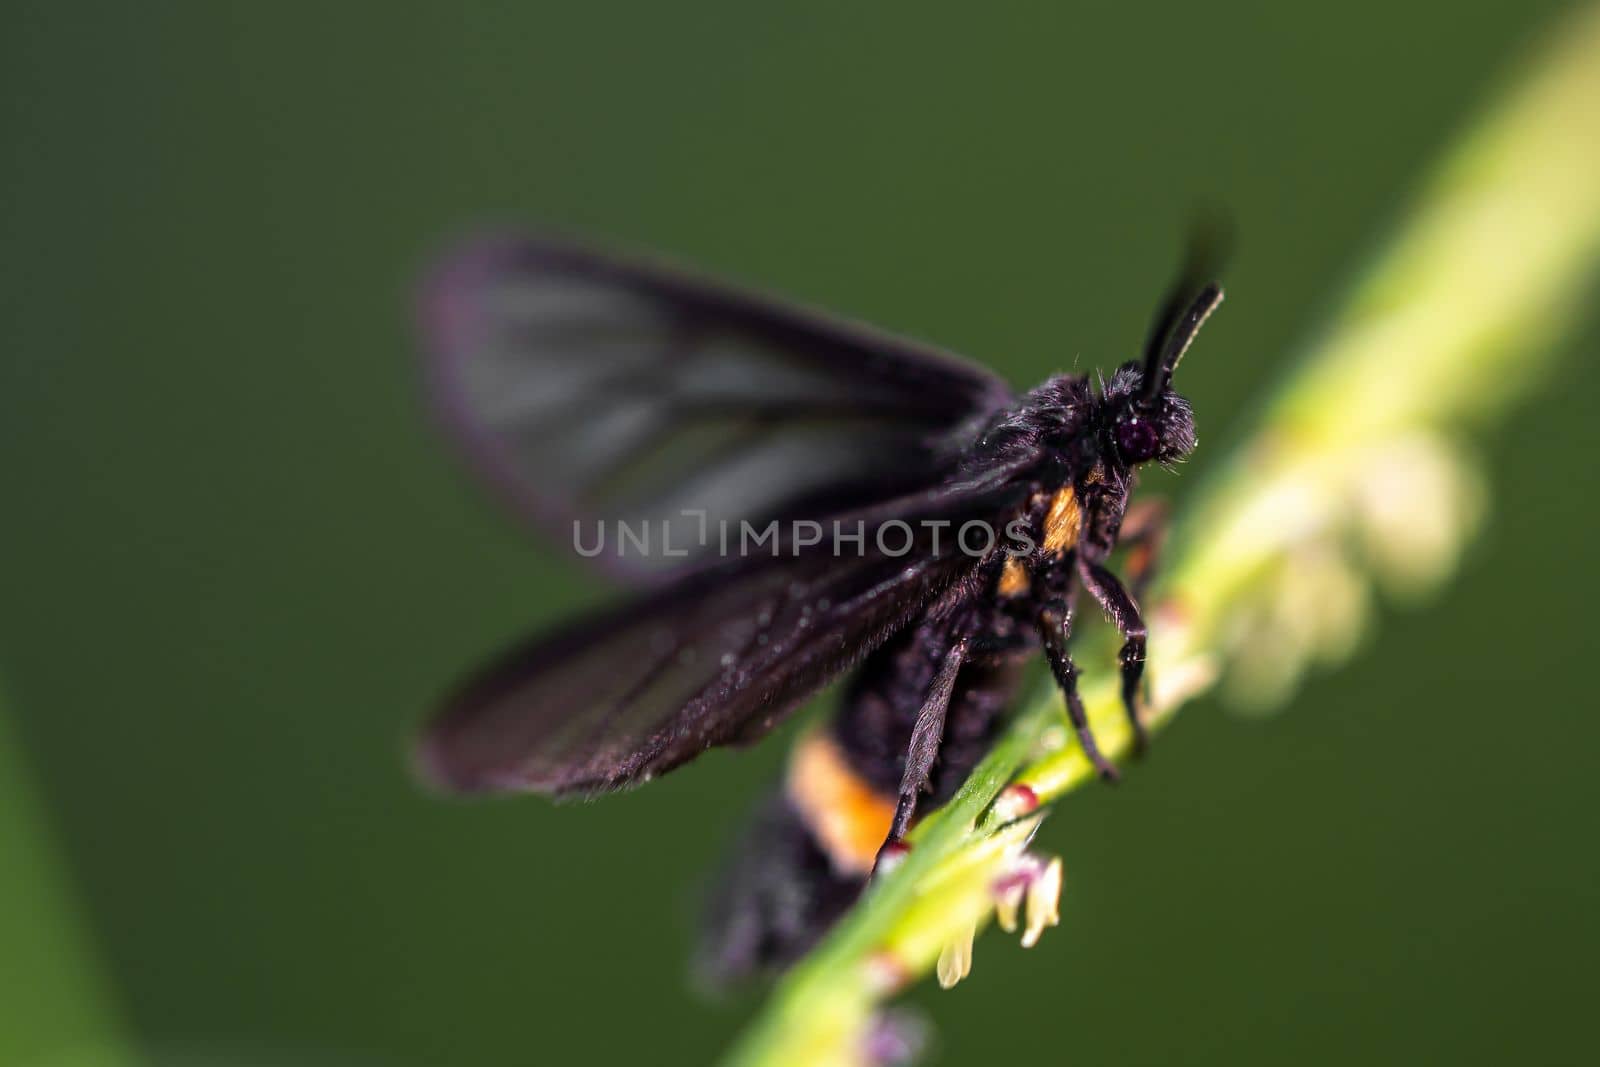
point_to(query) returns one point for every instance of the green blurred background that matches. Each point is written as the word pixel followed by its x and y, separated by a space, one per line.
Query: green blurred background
pixel 236 562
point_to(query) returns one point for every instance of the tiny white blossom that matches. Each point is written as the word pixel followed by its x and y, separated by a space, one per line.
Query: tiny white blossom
pixel 1044 903
pixel 955 960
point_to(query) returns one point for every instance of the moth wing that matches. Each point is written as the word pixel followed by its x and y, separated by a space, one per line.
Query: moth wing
pixel 588 387
pixel 716 657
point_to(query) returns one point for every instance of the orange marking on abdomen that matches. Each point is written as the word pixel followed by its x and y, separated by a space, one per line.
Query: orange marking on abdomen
pixel 1014 579
pixel 849 819
pixel 1062 522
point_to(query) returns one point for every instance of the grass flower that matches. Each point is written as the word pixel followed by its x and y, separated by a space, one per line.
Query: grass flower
pixel 1358 479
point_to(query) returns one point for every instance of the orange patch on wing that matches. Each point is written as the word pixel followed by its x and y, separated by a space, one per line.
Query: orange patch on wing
pixel 1062 522
pixel 849 819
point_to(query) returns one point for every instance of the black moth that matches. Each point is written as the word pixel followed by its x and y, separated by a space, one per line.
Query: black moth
pixel 594 389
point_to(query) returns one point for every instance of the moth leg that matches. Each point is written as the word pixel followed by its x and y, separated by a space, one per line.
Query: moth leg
pixel 1143 533
pixel 1124 614
pixel 926 733
pixel 1055 630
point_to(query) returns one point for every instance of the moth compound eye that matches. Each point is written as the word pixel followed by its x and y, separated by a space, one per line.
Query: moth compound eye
pixel 1137 439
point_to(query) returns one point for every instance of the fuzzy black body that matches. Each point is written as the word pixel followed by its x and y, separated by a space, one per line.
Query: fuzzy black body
pixel 794 871
pixel 783 885
pixel 584 385
pixel 879 709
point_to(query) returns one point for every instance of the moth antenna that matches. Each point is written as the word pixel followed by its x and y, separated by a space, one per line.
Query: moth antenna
pixel 1158 373
pixel 1186 304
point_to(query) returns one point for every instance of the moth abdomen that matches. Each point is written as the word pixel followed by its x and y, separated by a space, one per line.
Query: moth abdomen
pixel 808 851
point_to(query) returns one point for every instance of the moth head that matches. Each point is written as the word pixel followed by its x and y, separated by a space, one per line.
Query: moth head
pixel 1145 418
pixel 1140 430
